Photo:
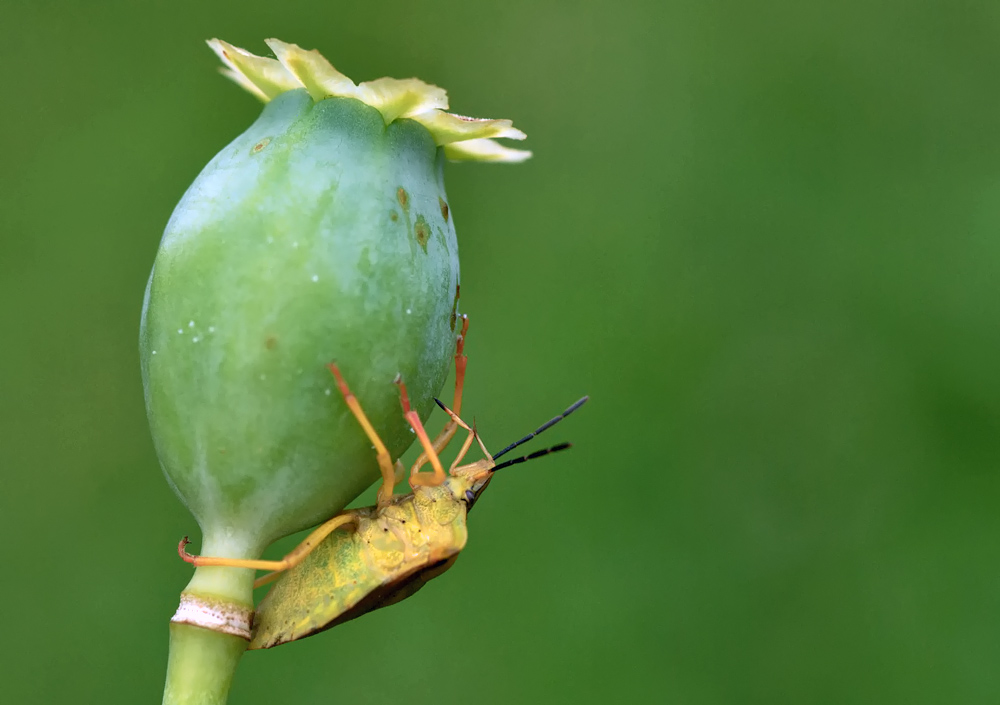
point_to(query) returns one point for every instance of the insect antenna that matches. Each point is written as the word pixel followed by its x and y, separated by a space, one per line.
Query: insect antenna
pixel 532 456
pixel 548 424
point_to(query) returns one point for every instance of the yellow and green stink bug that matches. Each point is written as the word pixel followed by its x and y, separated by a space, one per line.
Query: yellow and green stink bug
pixel 391 553
pixel 394 547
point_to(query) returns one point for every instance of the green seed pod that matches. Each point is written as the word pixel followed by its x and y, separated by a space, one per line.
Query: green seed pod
pixel 321 234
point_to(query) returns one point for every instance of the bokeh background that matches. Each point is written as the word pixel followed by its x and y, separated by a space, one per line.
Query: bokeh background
pixel 763 236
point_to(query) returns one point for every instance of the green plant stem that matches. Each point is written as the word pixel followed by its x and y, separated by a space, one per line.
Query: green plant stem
pixel 201 665
pixel 203 661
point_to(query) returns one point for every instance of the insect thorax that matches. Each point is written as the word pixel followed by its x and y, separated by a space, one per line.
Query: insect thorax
pixel 416 529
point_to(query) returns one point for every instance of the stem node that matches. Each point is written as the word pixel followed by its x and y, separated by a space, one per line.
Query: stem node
pixel 217 615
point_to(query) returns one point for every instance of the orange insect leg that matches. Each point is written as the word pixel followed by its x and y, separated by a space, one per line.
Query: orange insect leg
pixel 448 432
pixel 382 454
pixel 438 477
pixel 291 559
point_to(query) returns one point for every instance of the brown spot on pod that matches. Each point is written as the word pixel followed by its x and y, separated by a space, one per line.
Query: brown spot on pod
pixel 260 145
pixel 271 342
pixel 454 307
pixel 393 216
pixel 403 197
pixel 444 209
pixel 422 231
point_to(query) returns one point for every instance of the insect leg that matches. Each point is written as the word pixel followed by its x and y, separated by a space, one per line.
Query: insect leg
pixel 298 554
pixel 382 454
pixel 400 471
pixel 291 559
pixel 438 477
pixel 199 561
pixel 448 432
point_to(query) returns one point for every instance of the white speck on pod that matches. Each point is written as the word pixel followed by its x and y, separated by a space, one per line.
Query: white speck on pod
pixel 409 311
pixel 154 352
pixel 326 392
pixel 315 277
pixel 195 339
pixel 181 331
pixel 211 329
pixel 295 244
pixel 190 324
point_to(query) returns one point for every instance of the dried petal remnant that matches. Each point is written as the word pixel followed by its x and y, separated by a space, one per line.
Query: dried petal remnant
pixel 395 98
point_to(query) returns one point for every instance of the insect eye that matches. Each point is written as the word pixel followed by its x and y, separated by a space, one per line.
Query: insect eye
pixel 469 497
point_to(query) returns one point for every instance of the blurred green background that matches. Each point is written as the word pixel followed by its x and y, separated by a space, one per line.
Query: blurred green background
pixel 762 236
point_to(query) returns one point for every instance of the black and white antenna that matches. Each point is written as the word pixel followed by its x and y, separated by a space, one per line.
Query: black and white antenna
pixel 545 426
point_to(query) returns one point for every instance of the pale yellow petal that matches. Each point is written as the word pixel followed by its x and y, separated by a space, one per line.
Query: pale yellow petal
pixel 268 75
pixel 396 98
pixel 463 138
pixel 448 127
pixel 243 82
pixel 483 150
pixel 313 71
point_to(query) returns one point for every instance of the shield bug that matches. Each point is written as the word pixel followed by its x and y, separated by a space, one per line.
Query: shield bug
pixel 392 551
pixel 386 552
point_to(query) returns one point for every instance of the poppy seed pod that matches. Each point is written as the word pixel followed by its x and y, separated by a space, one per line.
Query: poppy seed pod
pixel 323 233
